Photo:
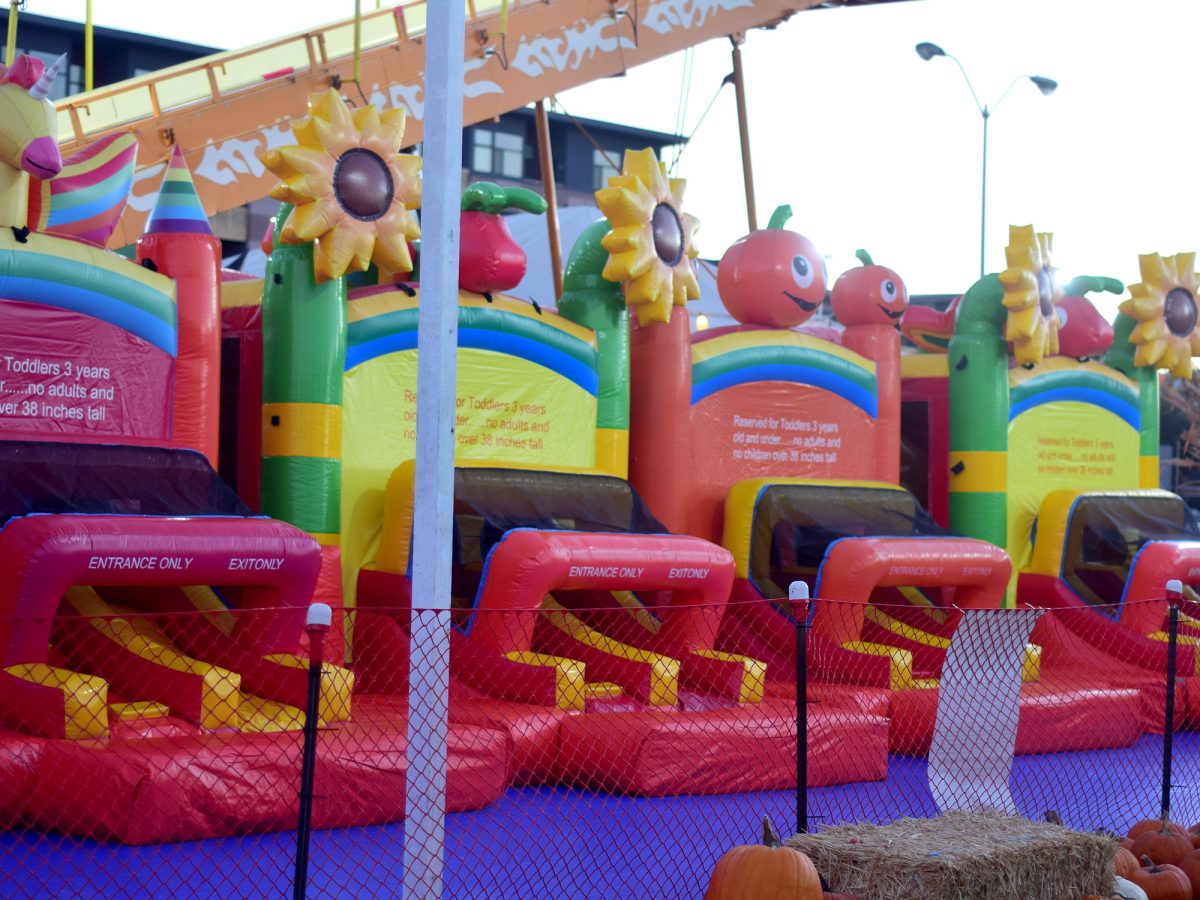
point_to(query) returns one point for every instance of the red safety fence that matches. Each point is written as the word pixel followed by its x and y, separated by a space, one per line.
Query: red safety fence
pixel 589 752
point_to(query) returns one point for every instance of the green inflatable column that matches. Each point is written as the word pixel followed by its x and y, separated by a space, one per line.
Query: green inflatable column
pixel 979 405
pixel 1120 357
pixel 594 302
pixel 304 357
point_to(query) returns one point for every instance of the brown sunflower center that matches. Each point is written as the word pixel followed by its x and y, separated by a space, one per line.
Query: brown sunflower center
pixel 362 184
pixel 1179 312
pixel 1045 283
pixel 668 234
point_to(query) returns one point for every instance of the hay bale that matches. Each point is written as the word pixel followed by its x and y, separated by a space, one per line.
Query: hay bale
pixel 962 856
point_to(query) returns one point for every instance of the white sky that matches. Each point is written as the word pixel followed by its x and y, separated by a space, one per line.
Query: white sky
pixel 873 147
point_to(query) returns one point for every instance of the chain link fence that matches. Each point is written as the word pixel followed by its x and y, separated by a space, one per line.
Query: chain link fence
pixel 149 754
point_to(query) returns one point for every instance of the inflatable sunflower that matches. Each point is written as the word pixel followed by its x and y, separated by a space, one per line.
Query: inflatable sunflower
pixel 353 191
pixel 1030 295
pixel 1164 306
pixel 650 245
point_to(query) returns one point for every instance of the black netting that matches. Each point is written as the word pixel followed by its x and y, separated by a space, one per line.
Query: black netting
pixel 48 477
pixel 489 502
pixel 794 524
pixel 1105 532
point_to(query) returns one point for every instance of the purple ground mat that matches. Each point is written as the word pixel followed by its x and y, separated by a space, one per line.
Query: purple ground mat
pixel 538 842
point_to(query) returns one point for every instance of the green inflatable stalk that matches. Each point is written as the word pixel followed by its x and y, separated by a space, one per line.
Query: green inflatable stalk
pixel 594 302
pixel 979 404
pixel 304 357
pixel 1120 357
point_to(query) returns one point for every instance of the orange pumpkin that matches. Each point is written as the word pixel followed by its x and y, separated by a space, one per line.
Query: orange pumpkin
pixel 772 276
pixel 1147 825
pixel 1194 834
pixel 1124 863
pixel 871 295
pixel 1190 866
pixel 1162 882
pixel 767 871
pixel 1166 845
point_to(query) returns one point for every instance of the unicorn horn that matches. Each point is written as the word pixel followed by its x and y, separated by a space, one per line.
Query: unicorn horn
pixel 41 88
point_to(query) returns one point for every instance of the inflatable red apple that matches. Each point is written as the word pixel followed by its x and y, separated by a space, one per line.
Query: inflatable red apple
pixel 772 276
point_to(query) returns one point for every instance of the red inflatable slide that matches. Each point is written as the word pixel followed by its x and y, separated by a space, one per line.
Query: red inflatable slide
pixel 571 600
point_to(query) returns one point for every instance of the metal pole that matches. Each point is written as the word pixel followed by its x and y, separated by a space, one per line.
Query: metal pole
pixel 739 87
pixel 983 199
pixel 437 340
pixel 317 625
pixel 88 54
pixel 798 600
pixel 1174 593
pixel 546 164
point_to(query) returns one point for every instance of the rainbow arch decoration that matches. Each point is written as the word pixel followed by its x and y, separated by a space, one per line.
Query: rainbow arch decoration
pixel 725 360
pixel 90 281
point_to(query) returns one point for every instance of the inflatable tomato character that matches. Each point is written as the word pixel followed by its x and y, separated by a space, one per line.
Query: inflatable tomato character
pixel 872 295
pixel 772 276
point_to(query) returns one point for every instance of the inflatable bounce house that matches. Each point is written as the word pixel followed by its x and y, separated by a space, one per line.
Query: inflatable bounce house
pixel 1051 451
pixel 631 500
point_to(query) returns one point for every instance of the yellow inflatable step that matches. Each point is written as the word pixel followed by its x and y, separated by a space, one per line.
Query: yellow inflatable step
pixel 138 709
pixel 603 690
pixel 259 715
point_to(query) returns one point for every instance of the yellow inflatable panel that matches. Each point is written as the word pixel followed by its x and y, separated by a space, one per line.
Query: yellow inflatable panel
pixel 337 686
pixel 571 689
pixel 664 671
pixel 86 696
pixel 221 689
pixel 754 674
pixel 901 678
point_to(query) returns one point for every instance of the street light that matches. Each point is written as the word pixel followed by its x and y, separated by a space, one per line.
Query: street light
pixel 1047 86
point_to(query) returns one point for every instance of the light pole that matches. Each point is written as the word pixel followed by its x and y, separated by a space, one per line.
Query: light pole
pixel 928 51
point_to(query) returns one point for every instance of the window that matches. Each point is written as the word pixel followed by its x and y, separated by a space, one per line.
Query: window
pixel 601 169
pixel 497 153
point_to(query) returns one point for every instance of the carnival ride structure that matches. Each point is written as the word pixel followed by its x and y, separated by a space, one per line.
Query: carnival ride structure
pixel 1056 457
pixel 591 624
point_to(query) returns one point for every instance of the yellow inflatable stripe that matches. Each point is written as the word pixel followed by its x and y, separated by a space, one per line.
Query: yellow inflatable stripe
pixel 139 709
pixel 1184 641
pixel 901 678
pixel 302 429
pixel 924 365
pixel 85 709
pixel 337 686
pixel 902 629
pixel 983 471
pixel 664 671
pixel 612 451
pixel 243 292
pixel 221 692
pixel 204 599
pixel 628 600
pixel 570 688
pixel 1031 663
pixel 1148 476
pixel 917 597
pixel 754 674
pixel 603 690
pixel 260 716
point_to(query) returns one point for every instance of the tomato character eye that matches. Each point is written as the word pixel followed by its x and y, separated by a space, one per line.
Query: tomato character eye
pixel 802 271
pixel 888 290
